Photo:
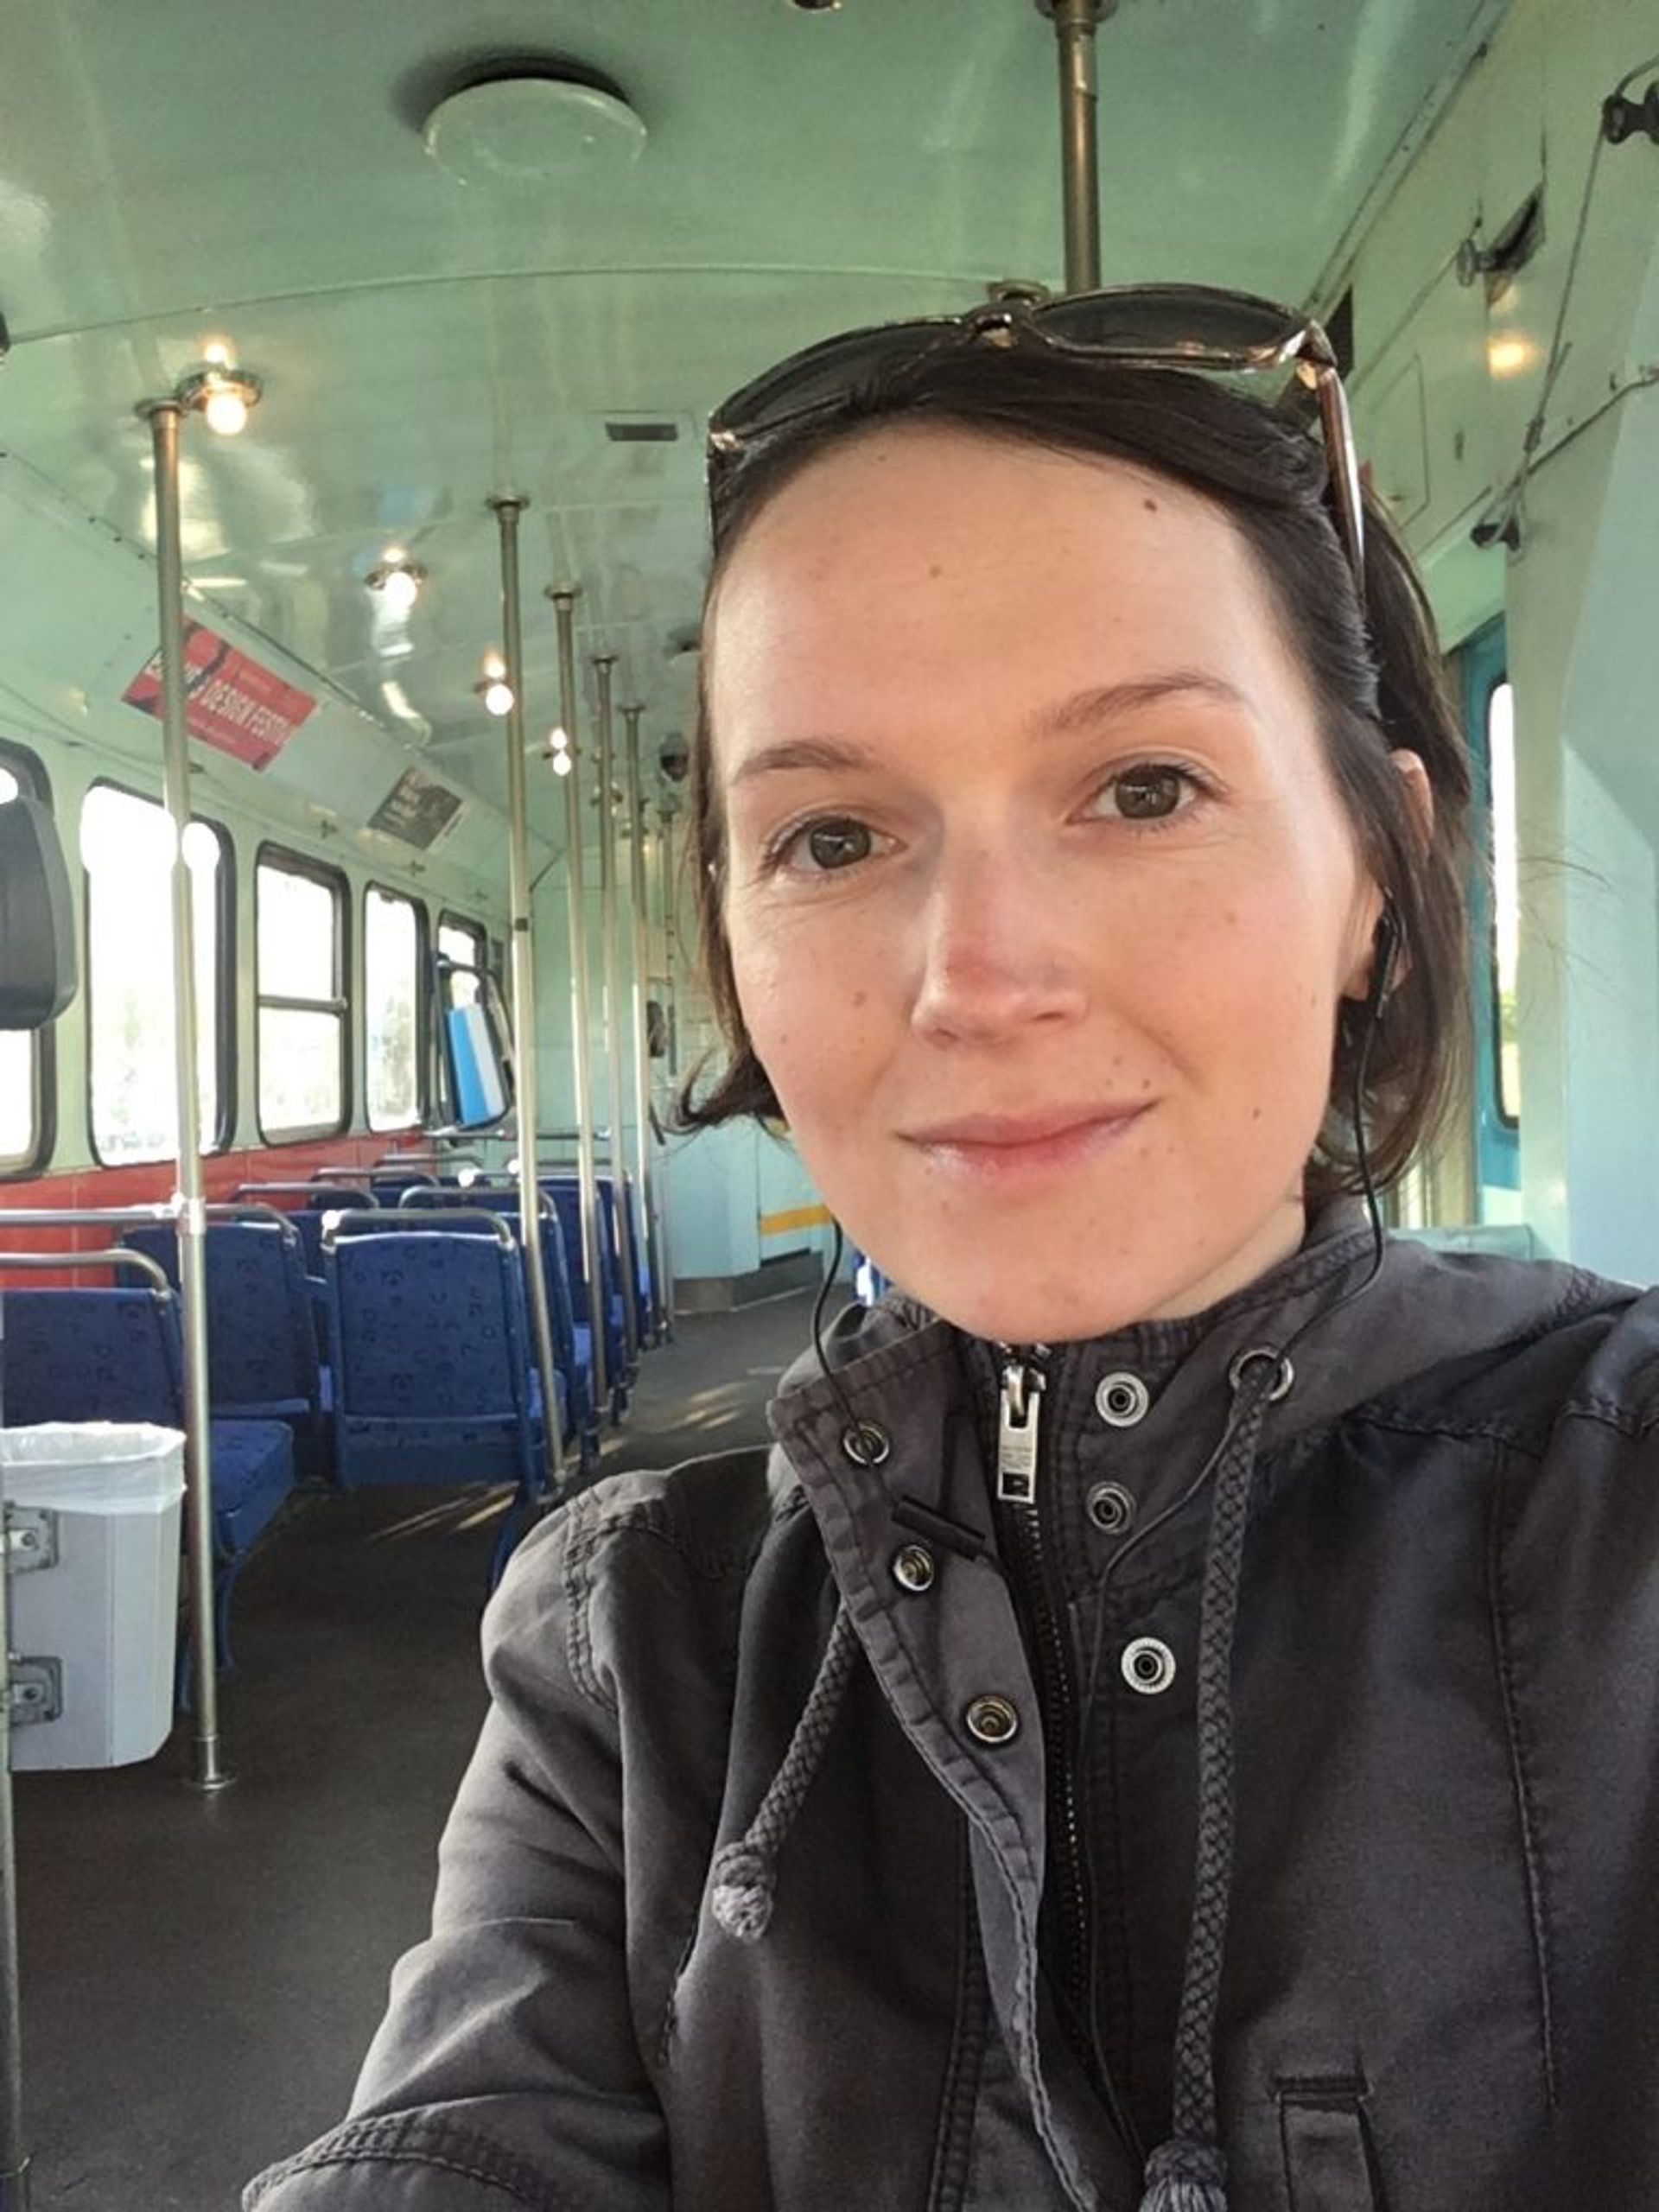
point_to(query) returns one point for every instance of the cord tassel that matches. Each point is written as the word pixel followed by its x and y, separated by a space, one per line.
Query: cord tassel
pixel 744 1872
pixel 1186 2177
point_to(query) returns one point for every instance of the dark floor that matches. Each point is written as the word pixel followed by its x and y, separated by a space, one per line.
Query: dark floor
pixel 202 1974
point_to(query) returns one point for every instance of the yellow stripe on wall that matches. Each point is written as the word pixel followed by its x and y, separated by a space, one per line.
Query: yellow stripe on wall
pixel 774 1225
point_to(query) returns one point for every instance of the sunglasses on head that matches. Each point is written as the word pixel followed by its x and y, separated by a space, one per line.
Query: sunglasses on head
pixel 1139 325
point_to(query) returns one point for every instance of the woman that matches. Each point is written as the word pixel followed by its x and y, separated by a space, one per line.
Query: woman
pixel 1173 1721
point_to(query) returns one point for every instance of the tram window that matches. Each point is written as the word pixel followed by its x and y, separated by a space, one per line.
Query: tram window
pixel 22 1137
pixel 300 963
pixel 393 967
pixel 1506 886
pixel 464 942
pixel 126 849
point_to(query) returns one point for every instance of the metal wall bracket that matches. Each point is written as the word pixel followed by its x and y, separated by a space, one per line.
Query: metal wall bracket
pixel 36 1690
pixel 31 1538
pixel 1623 118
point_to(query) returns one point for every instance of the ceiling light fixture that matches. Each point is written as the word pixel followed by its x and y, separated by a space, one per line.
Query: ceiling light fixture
pixel 533 124
pixel 496 695
pixel 222 395
pixel 398 579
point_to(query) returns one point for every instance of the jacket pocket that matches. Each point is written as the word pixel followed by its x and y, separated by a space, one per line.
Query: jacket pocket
pixel 1327 2146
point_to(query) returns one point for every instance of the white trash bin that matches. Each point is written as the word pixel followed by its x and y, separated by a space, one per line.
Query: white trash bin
pixel 106 1613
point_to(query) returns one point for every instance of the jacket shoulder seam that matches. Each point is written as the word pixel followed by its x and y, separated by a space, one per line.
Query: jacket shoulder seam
pixel 1523 1774
pixel 405 2139
pixel 581 1573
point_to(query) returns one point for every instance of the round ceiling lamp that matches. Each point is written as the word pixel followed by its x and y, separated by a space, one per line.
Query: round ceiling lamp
pixel 533 129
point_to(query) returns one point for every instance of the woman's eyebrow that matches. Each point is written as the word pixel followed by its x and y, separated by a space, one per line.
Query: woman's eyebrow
pixel 1113 702
pixel 1082 710
pixel 830 753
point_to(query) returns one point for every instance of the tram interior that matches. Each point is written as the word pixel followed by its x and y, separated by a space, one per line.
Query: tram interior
pixel 471 289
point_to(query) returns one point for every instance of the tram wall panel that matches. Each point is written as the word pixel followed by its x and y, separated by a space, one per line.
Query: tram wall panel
pixel 1447 383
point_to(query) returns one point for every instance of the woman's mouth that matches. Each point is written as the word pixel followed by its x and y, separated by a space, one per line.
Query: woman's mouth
pixel 991 1148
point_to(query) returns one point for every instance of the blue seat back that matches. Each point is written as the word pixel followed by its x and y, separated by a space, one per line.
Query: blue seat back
pixel 261 1346
pixel 426 1323
pixel 91 1355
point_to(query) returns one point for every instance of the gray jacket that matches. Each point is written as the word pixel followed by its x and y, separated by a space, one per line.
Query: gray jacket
pixel 741 1905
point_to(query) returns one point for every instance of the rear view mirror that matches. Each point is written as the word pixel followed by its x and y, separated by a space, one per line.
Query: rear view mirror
pixel 476 1062
pixel 37 934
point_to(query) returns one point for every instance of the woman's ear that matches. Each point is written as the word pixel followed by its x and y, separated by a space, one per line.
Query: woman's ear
pixel 1420 795
pixel 1381 968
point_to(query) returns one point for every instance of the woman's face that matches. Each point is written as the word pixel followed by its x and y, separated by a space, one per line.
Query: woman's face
pixel 1040 897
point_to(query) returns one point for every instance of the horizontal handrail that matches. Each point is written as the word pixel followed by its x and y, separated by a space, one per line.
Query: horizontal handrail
pixel 116 1256
pixel 346 1183
pixel 435 1198
pixel 253 1215
pixel 436 1158
pixel 86 1217
pixel 383 1222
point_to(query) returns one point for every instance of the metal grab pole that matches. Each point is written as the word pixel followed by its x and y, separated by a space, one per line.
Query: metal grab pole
pixel 14 2158
pixel 645 1171
pixel 563 597
pixel 1075 24
pixel 671 995
pixel 190 1215
pixel 611 950
pixel 525 1072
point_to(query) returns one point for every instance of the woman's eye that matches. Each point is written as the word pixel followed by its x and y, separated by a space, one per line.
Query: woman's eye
pixel 1149 791
pixel 822 848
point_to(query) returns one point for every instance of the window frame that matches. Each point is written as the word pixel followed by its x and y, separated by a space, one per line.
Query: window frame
pixel 269 854
pixel 449 918
pixel 423 941
pixel 220 1137
pixel 1508 1121
pixel 33 780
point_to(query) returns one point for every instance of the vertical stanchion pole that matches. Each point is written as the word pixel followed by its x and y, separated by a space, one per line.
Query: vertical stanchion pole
pixel 526 1073
pixel 563 597
pixel 670 999
pixel 190 1208
pixel 14 2158
pixel 611 954
pixel 1075 24
pixel 644 1170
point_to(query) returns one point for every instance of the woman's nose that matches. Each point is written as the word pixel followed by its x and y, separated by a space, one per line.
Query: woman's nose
pixel 996 955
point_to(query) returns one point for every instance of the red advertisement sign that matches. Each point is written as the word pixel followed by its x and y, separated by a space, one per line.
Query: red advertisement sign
pixel 230 701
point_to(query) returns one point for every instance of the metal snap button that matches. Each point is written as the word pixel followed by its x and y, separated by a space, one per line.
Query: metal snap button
pixel 1121 1400
pixel 1148 1666
pixel 1283 1380
pixel 913 1568
pixel 865 1444
pixel 1110 1507
pixel 993 1721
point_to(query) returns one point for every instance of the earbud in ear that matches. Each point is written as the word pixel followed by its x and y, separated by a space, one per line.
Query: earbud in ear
pixel 1386 943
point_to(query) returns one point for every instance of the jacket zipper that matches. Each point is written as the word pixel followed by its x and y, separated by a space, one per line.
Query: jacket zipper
pixel 1018 1496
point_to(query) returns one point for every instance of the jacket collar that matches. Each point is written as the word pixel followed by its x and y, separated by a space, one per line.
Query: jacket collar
pixel 898 1364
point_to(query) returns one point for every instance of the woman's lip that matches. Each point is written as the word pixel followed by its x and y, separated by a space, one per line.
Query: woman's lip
pixel 1015 1129
pixel 1046 1148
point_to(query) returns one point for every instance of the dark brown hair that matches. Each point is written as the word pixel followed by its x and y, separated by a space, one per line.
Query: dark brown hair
pixel 1376 678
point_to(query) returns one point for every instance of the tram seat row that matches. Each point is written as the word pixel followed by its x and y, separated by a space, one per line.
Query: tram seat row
pixel 117 1355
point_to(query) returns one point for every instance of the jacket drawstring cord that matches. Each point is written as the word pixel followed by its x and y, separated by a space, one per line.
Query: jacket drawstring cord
pixel 1189 2173
pixel 745 1873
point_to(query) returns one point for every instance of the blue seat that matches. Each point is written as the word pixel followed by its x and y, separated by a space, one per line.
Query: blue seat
pixel 572 1342
pixel 116 1355
pixel 572 1338
pixel 566 1195
pixel 261 1338
pixel 648 1300
pixel 431 1368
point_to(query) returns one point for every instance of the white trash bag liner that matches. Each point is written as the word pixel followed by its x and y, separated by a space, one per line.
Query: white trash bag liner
pixel 108 1610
